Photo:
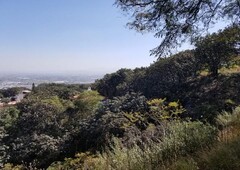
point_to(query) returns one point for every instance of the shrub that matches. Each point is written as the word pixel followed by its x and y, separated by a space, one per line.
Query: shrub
pixel 184 164
pixel 187 137
pixel 180 139
pixel 8 116
pixel 12 167
pixel 225 156
pixel 86 104
pixel 131 102
pixel 228 119
pixel 160 109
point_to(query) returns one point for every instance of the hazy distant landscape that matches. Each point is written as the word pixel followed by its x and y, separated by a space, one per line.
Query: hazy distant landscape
pixel 26 80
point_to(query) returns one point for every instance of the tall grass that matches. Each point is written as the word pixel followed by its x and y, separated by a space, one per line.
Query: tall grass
pixel 229 125
pixel 226 154
pixel 180 139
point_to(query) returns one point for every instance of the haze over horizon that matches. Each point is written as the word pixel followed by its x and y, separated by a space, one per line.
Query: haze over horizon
pixel 60 36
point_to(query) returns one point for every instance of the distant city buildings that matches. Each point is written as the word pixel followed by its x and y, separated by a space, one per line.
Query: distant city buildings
pixel 8 81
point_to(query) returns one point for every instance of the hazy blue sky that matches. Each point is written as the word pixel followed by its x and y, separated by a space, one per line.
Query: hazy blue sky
pixel 69 35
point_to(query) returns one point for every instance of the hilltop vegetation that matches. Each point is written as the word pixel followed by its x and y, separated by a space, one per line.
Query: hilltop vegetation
pixel 169 115
pixel 204 80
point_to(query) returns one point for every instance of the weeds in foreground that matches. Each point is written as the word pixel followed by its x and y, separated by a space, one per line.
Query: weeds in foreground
pixel 184 146
pixel 180 139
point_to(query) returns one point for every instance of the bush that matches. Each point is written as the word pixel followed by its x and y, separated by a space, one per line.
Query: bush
pixel 8 116
pixel 161 109
pixel 184 164
pixel 183 138
pixel 179 140
pixel 86 104
pixel 228 119
pixel 226 156
pixel 131 102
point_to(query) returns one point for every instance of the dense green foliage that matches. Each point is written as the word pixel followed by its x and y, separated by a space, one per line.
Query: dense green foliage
pixel 38 128
pixel 46 127
pixel 184 145
pixel 115 84
pixel 218 49
pixel 179 77
pixel 164 77
pixel 10 92
pixel 178 140
pixel 158 80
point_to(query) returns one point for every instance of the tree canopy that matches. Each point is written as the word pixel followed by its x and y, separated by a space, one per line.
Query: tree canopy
pixel 176 20
pixel 217 49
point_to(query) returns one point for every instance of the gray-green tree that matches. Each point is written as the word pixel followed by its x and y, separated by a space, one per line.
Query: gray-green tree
pixel 177 20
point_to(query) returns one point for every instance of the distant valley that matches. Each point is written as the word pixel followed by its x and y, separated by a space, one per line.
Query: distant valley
pixel 26 80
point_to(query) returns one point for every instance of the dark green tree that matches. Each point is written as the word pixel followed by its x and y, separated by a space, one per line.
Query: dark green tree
pixel 86 104
pixel 33 87
pixel 176 20
pixel 114 84
pixel 3 148
pixel 166 76
pixel 217 49
pixel 10 92
pixel 36 136
pixel 161 79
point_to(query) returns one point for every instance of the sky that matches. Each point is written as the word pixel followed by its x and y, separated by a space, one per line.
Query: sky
pixel 65 36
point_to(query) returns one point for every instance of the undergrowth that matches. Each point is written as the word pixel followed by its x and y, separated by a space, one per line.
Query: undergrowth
pixel 185 145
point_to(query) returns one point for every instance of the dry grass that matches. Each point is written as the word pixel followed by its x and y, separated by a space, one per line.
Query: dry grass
pixel 231 70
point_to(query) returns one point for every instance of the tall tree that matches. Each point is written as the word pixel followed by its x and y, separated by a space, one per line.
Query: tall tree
pixel 177 20
pixel 217 49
